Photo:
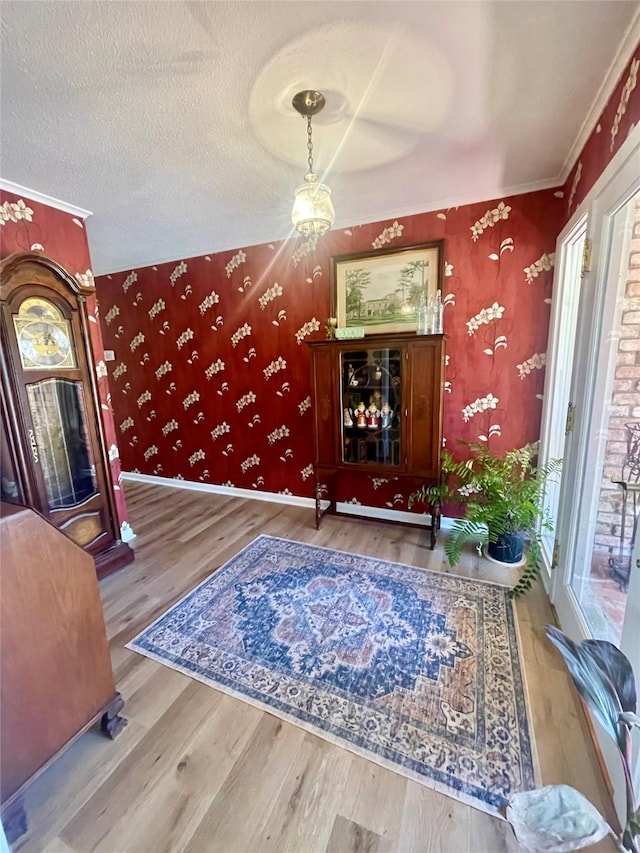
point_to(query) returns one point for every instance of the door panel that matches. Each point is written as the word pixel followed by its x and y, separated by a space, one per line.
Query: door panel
pixel 425 425
pixel 601 485
pixel 555 442
pixel 594 589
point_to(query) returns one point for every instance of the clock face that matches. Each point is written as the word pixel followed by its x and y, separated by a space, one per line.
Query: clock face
pixel 45 343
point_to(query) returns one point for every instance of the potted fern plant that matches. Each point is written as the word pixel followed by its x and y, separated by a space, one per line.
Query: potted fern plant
pixel 503 500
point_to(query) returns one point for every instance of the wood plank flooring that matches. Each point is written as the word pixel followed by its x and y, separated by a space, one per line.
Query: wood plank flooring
pixel 198 771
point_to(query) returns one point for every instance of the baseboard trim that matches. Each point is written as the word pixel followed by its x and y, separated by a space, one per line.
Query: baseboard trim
pixel 373 512
pixel 384 514
pixel 215 489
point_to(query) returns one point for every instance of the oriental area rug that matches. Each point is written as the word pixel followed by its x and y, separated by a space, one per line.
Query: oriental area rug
pixel 416 670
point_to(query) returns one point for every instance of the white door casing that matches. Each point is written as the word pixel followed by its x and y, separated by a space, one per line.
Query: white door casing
pixel 597 318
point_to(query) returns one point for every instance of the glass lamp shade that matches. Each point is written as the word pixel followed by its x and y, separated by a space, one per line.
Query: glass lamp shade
pixel 313 212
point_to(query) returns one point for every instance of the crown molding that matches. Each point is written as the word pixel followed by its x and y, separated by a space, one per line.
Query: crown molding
pixel 629 149
pixel 620 61
pixel 487 196
pixel 41 198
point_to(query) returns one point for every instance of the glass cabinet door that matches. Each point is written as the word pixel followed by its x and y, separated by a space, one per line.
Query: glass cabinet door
pixel 371 394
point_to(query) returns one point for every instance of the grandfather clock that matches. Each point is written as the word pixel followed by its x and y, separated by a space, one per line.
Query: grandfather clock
pixel 54 455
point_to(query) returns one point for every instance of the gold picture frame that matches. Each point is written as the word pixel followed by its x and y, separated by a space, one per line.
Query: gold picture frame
pixel 381 290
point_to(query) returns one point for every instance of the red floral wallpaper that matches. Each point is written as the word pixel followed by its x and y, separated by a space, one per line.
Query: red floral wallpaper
pixel 211 377
pixel 26 226
pixel 620 114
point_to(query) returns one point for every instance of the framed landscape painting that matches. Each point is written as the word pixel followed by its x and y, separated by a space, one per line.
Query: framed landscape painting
pixel 381 290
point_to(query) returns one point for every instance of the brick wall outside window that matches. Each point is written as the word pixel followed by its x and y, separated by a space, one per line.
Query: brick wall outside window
pixel 625 406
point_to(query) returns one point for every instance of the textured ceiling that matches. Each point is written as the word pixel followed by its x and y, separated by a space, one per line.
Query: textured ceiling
pixel 172 121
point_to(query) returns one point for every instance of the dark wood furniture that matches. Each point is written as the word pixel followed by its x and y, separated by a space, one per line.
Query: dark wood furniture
pixel 402 376
pixel 54 455
pixel 55 669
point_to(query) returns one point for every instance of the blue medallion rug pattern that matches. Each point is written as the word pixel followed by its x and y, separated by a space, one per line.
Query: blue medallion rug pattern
pixel 416 670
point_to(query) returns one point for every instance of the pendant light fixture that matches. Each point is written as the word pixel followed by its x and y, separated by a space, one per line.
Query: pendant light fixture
pixel 313 212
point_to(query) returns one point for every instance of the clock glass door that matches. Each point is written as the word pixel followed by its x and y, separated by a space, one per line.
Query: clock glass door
pixel 61 441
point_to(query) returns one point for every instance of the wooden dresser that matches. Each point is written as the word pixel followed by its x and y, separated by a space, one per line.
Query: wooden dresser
pixel 56 678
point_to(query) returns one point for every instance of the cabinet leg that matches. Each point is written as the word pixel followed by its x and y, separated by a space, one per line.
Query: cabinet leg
pixel 319 492
pixel 112 723
pixel 435 523
pixel 14 820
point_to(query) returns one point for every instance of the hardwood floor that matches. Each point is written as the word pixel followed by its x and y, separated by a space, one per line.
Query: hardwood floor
pixel 196 770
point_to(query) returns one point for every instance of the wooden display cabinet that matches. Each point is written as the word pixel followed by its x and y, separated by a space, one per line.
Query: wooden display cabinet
pixel 54 454
pixel 377 406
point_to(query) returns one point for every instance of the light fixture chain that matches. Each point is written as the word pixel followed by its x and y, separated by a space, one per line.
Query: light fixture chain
pixel 313 212
pixel 309 144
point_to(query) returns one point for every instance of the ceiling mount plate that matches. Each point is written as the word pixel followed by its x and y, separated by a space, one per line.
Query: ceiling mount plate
pixel 308 102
